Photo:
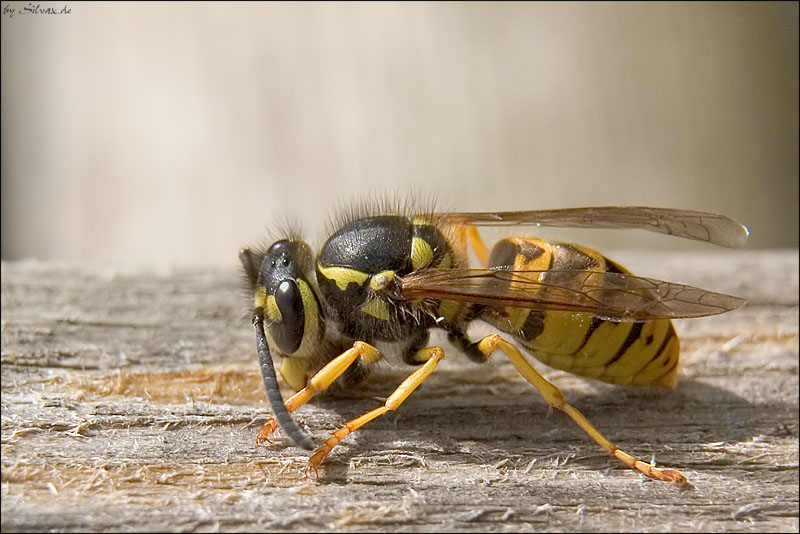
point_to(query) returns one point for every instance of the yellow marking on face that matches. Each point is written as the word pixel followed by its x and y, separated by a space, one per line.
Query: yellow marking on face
pixel 260 298
pixel 343 276
pixel 381 280
pixel 295 372
pixel 273 312
pixel 421 253
pixel 421 221
pixel 376 308
pixel 311 327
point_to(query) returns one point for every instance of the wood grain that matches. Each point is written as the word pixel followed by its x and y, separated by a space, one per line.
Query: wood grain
pixel 131 401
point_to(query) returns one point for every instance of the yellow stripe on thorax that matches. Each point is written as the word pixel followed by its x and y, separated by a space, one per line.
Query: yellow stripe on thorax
pixel 343 276
pixel 421 253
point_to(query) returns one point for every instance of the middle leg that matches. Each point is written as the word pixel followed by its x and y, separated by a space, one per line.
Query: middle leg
pixel 431 356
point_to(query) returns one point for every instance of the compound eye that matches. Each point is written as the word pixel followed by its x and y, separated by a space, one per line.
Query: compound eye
pixel 288 331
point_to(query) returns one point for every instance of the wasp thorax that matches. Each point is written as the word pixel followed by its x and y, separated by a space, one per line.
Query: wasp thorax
pixel 361 267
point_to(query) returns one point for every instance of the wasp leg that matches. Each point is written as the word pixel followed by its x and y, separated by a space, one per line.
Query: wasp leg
pixel 322 381
pixel 555 399
pixel 430 355
pixel 469 234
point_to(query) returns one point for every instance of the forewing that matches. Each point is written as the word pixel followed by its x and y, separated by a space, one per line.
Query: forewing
pixel 615 296
pixel 690 224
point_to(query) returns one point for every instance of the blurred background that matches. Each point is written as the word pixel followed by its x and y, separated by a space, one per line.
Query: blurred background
pixel 156 135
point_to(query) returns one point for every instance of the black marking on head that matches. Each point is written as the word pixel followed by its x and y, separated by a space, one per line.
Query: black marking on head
pixel 282 266
pixel 285 260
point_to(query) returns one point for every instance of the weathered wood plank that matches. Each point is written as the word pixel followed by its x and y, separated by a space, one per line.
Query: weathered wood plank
pixel 131 402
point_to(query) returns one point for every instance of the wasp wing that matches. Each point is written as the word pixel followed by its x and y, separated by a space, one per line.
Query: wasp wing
pixel 690 224
pixel 615 296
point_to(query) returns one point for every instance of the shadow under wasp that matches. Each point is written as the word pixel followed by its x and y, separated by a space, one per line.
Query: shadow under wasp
pixel 384 279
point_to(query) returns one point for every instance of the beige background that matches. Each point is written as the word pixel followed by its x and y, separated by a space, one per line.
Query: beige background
pixel 164 134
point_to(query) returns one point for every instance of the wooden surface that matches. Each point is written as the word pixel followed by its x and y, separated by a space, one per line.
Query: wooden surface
pixel 130 402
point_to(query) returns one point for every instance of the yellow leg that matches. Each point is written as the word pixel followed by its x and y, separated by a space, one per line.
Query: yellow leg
pixel 431 356
pixel 478 246
pixel 556 399
pixel 469 234
pixel 322 381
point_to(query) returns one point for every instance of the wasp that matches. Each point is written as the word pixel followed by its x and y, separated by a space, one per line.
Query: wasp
pixel 383 280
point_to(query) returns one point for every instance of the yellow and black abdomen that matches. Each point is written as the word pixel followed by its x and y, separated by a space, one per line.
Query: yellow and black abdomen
pixel 642 353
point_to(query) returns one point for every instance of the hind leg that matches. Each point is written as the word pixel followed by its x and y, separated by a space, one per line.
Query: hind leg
pixel 555 399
